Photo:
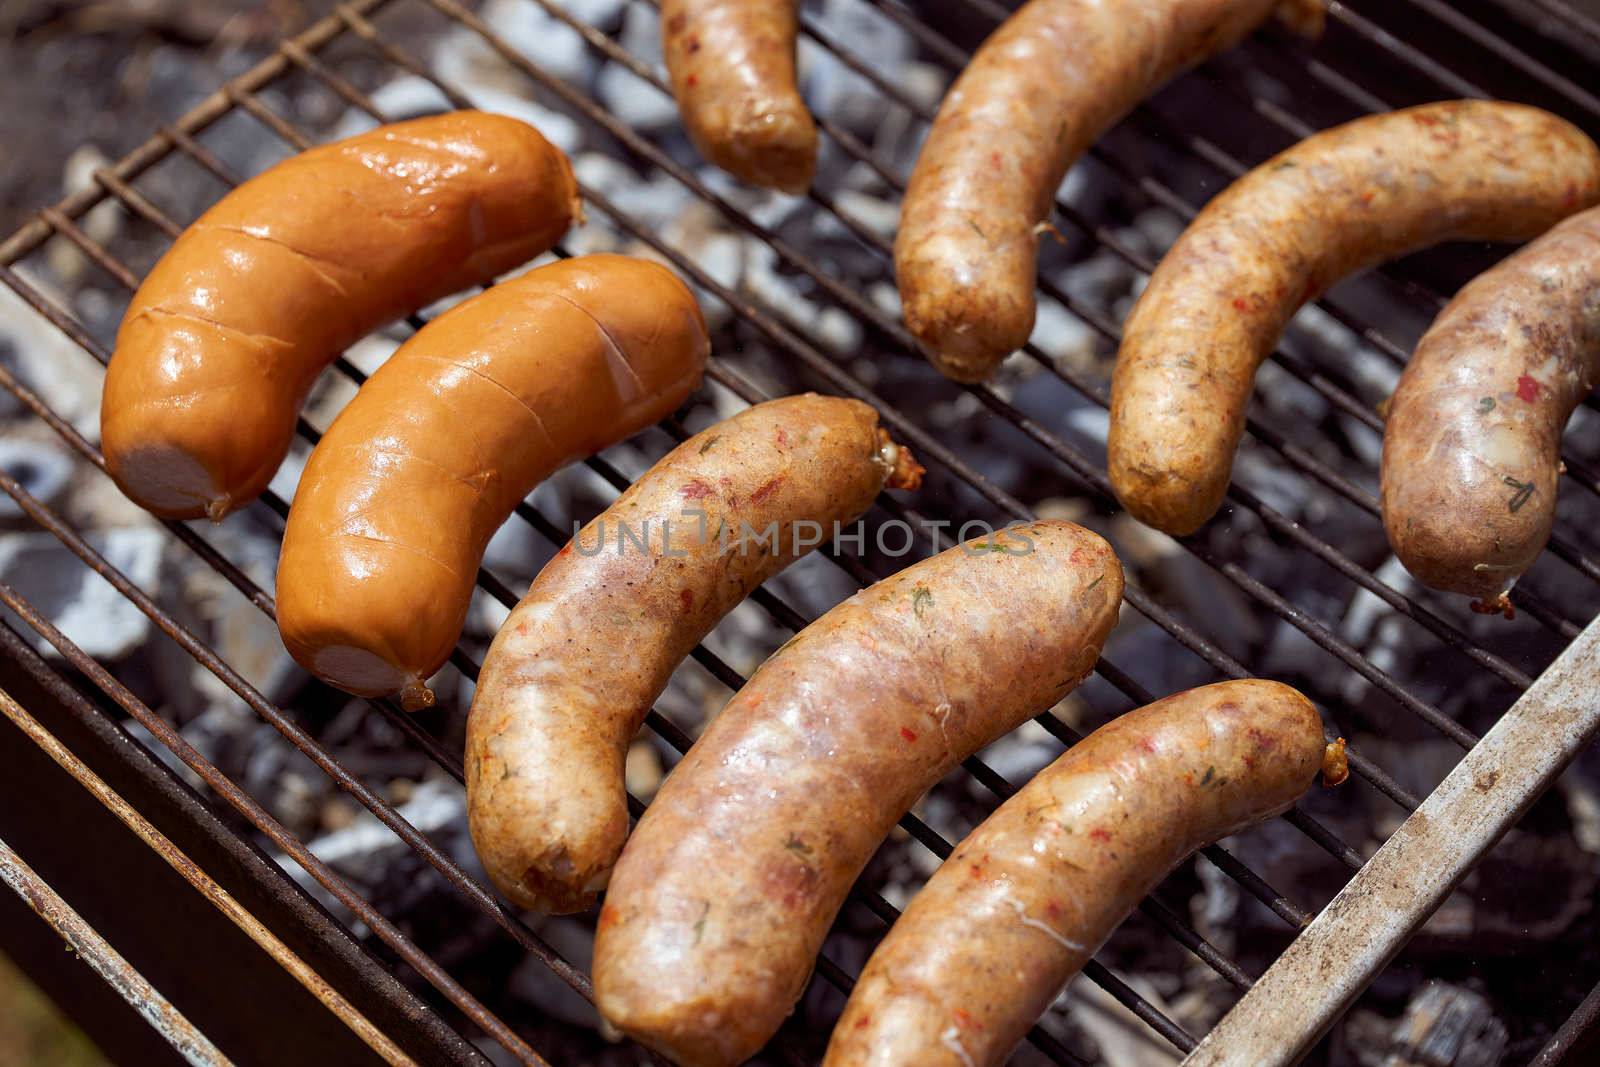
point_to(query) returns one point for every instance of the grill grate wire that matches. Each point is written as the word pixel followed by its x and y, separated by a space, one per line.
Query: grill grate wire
pixel 300 53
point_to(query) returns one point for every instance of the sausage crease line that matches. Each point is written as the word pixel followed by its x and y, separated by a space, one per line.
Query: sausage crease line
pixel 294 250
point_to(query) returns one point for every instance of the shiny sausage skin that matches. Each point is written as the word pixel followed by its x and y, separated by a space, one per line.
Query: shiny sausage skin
pixel 732 69
pixel 575 669
pixel 1041 90
pixel 401 496
pixel 225 336
pixel 1284 233
pixel 1035 890
pixel 1472 448
pixel 727 888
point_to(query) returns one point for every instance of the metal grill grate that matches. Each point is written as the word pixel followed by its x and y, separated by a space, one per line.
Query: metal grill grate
pixel 1324 469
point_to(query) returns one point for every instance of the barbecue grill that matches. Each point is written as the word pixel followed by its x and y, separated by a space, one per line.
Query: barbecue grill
pixel 354 983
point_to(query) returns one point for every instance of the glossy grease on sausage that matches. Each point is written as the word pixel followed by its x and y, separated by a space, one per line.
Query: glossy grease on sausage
pixel 1042 89
pixel 724 893
pixel 576 667
pixel 401 496
pixel 224 338
pixel 1333 204
pixel 1025 900
pixel 733 75
pixel 1472 449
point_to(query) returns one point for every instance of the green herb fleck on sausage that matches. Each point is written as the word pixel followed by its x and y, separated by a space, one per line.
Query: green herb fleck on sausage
pixel 1524 493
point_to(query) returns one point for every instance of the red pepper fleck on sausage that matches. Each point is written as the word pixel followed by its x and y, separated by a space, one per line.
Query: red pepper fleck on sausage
pixel 574 670
pixel 1040 91
pixel 1472 449
pixel 732 68
pixel 734 874
pixel 1459 170
pixel 974 960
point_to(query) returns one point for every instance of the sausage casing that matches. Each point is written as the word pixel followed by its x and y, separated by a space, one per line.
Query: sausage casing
pixel 224 338
pixel 401 496
pixel 1472 449
pixel 1282 234
pixel 1035 890
pixel 577 665
pixel 724 893
pixel 733 75
pixel 1040 91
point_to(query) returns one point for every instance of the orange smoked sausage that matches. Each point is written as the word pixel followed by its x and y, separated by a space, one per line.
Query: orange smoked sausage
pixel 1041 90
pixel 574 670
pixel 222 341
pixel 400 498
pixel 724 893
pixel 732 69
pixel 1035 890
pixel 1335 203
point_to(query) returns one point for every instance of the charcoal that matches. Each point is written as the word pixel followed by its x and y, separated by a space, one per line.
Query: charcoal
pixel 1447 1026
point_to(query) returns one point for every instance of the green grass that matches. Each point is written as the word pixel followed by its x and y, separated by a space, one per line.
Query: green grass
pixel 33 1031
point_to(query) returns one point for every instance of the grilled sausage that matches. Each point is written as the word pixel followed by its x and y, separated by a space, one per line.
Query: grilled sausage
pixel 732 69
pixel 725 891
pixel 1471 452
pixel 1333 204
pixel 222 341
pixel 576 667
pixel 400 498
pixel 1036 889
pixel 1040 91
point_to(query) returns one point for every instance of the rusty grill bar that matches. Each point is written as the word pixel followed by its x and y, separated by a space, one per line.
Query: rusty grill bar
pixel 299 56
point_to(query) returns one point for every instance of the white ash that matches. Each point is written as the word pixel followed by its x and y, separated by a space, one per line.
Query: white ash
pixel 85 607
pixel 873 213
pixel 639 104
pixel 1123 1038
pixel 40 467
pixel 1384 637
pixel 286 479
pixel 1214 912
pixel 244 635
pixel 1065 337
pixel 831 87
pixel 101 225
pixel 64 376
pixel 434 807
pixel 542 989
pixel 364 851
pixel 1017 756
pixel 1279 486
pixel 1367 612
pixel 1288 397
